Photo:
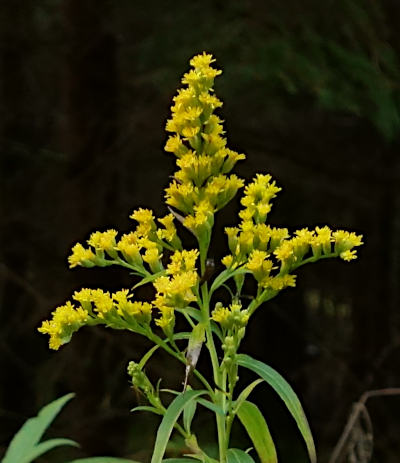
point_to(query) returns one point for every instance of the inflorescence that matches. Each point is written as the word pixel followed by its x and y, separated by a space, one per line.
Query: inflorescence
pixel 153 251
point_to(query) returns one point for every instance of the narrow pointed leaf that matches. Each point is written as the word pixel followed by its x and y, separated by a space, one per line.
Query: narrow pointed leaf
pixel 286 393
pixel 238 456
pixel 147 408
pixel 147 355
pixel 257 429
pixel 45 446
pixel 196 315
pixel 224 276
pixel 211 406
pixel 188 414
pixel 245 393
pixel 149 279
pixel 102 460
pixel 32 430
pixel 178 460
pixel 168 422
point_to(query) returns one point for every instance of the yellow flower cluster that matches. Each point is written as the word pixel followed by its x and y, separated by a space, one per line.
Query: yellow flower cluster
pixel 177 289
pixel 263 249
pixel 96 306
pixel 201 185
pixel 321 242
pixel 66 320
pixel 144 244
pixel 257 197
pixel 230 317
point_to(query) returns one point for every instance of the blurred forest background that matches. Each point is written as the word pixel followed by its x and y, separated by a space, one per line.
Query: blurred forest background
pixel 312 96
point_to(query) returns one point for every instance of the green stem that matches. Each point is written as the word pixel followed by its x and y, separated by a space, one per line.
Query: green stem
pixel 160 342
pixel 219 379
pixel 314 259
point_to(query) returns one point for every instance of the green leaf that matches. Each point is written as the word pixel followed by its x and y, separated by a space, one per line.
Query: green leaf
pixel 24 442
pixel 244 394
pixel 147 355
pixel 257 429
pixel 102 460
pixel 188 414
pixel 149 279
pixel 196 315
pixel 170 391
pixel 147 408
pixel 180 336
pixel 178 460
pixel 286 393
pixel 238 456
pixel 224 276
pixel 168 422
pixel 211 406
pixel 47 445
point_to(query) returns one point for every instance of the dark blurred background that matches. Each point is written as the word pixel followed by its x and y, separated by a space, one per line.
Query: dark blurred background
pixel 311 93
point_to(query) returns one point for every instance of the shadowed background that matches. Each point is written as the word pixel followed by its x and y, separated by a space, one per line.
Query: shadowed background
pixel 311 95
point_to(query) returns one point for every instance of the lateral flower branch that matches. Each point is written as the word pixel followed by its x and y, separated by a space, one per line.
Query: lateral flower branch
pixel 153 252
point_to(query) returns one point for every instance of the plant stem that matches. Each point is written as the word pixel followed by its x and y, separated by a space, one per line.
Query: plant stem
pixel 160 342
pixel 219 379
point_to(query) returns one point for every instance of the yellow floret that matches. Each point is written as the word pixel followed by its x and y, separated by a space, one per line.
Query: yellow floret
pixel 103 241
pixel 142 215
pixel 81 256
pixel 202 60
pixel 66 320
pixel 348 255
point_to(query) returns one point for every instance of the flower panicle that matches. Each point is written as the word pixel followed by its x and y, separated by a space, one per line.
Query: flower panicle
pixel 142 246
pixel 95 306
pixel 177 289
pixel 202 184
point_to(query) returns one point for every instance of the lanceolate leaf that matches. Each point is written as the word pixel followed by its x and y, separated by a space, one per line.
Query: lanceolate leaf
pixel 188 414
pixel 224 276
pixel 25 441
pixel 238 456
pixel 147 408
pixel 149 279
pixel 178 460
pixel 257 429
pixel 245 393
pixel 102 460
pixel 147 356
pixel 211 406
pixel 286 393
pixel 167 424
pixel 47 445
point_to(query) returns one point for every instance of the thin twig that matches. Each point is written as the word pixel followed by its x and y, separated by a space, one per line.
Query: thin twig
pixel 358 409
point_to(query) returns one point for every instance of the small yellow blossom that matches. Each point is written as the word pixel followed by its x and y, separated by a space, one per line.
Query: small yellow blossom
pixel 167 320
pixel 66 320
pixel 230 317
pixel 221 315
pixel 345 241
pixel 259 265
pixel 348 255
pixel 130 246
pixel 81 256
pixel 103 241
pixel 177 290
pixel 182 261
pixel 227 261
pixel 142 215
pixel 202 61
pixel 103 302
pixel 278 283
pixel 284 251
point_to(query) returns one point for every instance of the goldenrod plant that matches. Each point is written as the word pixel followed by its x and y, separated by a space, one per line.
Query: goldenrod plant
pixel 154 253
